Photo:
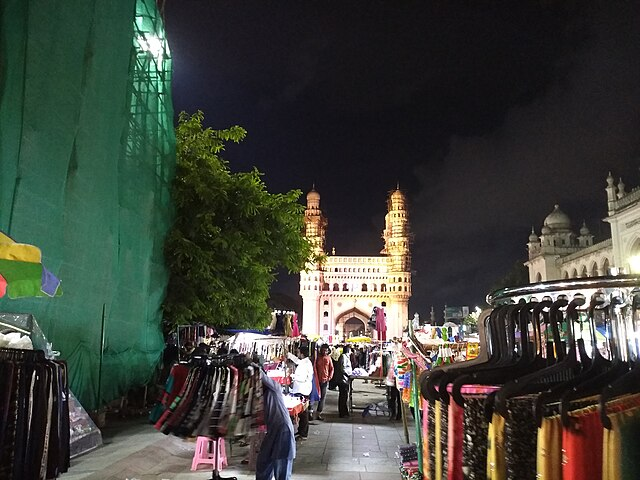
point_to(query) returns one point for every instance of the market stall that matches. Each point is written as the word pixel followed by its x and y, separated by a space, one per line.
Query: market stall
pixel 36 394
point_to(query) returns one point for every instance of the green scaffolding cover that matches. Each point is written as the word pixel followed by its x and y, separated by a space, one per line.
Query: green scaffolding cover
pixel 87 154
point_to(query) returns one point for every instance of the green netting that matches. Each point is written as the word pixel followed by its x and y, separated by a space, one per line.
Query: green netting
pixel 87 153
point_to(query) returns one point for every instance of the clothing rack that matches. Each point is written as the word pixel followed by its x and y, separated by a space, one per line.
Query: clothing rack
pixel 210 395
pixel 34 418
pixel 559 377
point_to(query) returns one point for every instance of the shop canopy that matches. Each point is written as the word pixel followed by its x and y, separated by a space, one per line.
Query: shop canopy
pixel 22 273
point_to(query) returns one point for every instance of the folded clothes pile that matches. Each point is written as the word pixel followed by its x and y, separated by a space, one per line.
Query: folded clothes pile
pixel 408 455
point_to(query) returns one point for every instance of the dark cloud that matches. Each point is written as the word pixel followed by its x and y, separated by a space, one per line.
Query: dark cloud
pixel 557 149
pixel 487 113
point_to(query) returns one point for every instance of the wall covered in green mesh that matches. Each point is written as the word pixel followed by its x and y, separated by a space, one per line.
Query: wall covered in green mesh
pixel 87 153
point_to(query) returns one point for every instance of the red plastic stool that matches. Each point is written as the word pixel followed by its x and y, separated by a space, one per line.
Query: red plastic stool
pixel 205 453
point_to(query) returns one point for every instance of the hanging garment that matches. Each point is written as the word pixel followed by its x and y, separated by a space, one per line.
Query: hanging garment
pixel 496 462
pixel 476 432
pixel 34 416
pixel 582 446
pixel 549 449
pixel 295 330
pixel 381 324
pixel 521 434
pixel 288 329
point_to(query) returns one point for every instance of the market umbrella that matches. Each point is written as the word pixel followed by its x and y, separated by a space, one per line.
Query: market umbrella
pixel 22 273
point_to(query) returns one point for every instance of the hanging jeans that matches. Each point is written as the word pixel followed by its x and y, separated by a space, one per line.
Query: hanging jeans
pixel 273 469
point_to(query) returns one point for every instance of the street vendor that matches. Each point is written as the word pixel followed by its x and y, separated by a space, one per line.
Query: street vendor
pixel 301 387
pixel 278 449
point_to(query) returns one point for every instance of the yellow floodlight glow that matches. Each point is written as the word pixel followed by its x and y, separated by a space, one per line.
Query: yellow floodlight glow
pixel 634 263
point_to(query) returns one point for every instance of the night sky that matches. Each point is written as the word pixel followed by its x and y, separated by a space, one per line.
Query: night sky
pixel 487 113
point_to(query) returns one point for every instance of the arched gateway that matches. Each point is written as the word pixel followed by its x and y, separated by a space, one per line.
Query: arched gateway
pixel 351 323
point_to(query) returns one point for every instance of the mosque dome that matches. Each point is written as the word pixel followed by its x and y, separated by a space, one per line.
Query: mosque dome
pixel 584 230
pixel 533 238
pixel 545 230
pixel 557 220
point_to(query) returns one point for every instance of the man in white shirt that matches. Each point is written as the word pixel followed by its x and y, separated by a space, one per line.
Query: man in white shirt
pixel 302 382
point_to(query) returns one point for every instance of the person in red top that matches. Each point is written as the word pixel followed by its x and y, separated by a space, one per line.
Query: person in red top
pixel 324 369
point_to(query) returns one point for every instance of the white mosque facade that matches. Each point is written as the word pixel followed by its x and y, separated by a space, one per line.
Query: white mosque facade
pixel 559 253
pixel 339 293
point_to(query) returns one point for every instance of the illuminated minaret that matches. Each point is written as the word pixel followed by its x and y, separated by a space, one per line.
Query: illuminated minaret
pixel 311 280
pixel 397 243
pixel 315 223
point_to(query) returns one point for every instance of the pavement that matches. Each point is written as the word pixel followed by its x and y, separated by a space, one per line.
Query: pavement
pixel 357 448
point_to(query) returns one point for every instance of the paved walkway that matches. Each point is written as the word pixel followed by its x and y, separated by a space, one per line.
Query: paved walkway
pixel 353 449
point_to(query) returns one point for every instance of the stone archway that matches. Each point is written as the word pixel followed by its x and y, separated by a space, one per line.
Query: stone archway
pixel 354 327
pixel 352 321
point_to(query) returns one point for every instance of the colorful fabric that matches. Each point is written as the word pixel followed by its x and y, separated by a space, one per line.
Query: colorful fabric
pixel 549 449
pixel 20 252
pixel 474 448
pixel 24 279
pixel 50 283
pixel 22 272
pixel 425 439
pixel 520 432
pixel 582 446
pixel 381 324
pixel 496 462
pixel 629 426
pixel 456 438
pixel 438 443
pixel 612 449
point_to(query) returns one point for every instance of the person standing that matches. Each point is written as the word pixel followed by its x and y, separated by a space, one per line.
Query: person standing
pixel 278 449
pixel 301 387
pixel 343 385
pixel 393 395
pixel 324 368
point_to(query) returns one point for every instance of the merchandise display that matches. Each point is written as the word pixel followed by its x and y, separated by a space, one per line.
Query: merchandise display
pixel 550 399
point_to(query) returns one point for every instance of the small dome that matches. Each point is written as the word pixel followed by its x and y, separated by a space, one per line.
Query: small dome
pixel 313 195
pixel 557 220
pixel 584 230
pixel 545 230
pixel 397 195
pixel 533 237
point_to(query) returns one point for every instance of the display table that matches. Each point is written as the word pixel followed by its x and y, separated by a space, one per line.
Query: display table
pixel 351 380
pixel 295 405
pixel 282 380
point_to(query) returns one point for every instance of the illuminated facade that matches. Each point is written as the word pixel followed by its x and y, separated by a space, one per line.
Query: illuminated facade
pixel 559 253
pixel 339 294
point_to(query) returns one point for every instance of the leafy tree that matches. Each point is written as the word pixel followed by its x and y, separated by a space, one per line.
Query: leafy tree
pixel 517 276
pixel 230 234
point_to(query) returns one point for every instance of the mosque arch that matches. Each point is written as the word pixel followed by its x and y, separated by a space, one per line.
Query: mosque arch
pixel 605 266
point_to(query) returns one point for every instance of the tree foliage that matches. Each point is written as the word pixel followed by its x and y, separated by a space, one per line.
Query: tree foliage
pixel 230 234
pixel 517 276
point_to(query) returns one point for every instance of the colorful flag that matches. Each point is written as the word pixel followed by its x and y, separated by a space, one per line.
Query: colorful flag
pixel 22 273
